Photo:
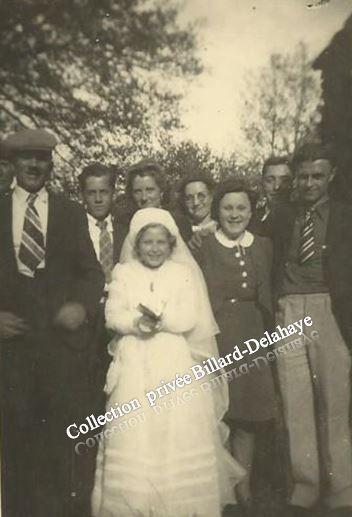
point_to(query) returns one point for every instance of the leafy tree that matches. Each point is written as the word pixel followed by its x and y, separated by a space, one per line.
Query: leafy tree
pixel 281 105
pixel 105 76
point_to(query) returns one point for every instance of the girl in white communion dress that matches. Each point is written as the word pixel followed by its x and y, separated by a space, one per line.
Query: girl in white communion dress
pixel 171 462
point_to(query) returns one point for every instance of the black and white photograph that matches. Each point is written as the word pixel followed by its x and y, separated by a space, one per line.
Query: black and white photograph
pixel 175 258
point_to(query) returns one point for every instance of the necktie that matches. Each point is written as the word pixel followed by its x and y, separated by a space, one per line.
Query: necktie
pixel 32 250
pixel 307 245
pixel 105 250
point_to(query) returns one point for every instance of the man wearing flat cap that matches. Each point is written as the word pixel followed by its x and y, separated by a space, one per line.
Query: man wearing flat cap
pixel 50 286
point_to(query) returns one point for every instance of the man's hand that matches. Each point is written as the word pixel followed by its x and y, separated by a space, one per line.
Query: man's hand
pixel 71 316
pixel 195 242
pixel 11 325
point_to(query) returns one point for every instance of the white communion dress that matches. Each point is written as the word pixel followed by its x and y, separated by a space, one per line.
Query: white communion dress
pixel 167 460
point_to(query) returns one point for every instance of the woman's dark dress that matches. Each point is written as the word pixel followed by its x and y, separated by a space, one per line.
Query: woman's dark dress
pixel 235 284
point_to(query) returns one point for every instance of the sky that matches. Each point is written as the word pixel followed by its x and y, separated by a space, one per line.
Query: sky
pixel 239 35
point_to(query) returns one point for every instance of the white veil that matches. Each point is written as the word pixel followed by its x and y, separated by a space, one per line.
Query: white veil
pixel 201 339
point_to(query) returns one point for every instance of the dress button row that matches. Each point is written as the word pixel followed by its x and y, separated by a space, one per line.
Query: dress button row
pixel 242 262
pixel 233 300
pixel 237 254
pixel 244 274
pixel 244 285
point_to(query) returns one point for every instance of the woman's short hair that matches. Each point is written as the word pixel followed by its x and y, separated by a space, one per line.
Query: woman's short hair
pixel 147 168
pixel 171 238
pixel 228 187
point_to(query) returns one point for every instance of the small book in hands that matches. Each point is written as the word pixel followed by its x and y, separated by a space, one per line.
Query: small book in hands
pixel 148 312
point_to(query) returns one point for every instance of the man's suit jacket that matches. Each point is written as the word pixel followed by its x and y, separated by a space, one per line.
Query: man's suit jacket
pixel 58 360
pixel 337 254
pixel 120 231
pixel 101 335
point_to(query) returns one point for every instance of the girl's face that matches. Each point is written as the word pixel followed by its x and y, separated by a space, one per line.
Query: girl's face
pixel 234 214
pixel 154 247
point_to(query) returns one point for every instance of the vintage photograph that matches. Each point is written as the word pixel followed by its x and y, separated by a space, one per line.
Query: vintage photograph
pixel 175 258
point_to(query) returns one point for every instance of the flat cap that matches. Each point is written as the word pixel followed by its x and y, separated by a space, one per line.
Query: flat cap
pixel 30 139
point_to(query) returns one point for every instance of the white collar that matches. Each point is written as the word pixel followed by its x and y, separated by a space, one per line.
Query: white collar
pixel 93 221
pixel 22 194
pixel 245 240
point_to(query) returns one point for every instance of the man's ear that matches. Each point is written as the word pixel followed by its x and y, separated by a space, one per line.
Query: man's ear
pixel 332 173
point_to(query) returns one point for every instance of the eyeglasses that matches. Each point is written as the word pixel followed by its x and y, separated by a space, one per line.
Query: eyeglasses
pixel 196 197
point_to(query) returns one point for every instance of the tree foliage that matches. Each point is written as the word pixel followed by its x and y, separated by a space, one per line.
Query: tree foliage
pixel 105 76
pixel 281 104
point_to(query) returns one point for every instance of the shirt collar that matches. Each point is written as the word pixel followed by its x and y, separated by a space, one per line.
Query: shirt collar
pixel 22 194
pixel 93 221
pixel 320 207
pixel 204 225
pixel 245 240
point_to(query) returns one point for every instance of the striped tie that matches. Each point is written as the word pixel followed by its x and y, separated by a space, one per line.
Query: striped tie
pixel 32 250
pixel 307 245
pixel 105 250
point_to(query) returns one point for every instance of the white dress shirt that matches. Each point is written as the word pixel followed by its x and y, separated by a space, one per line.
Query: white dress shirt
pixel 94 232
pixel 19 207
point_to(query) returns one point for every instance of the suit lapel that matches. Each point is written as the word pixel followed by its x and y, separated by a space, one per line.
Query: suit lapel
pixel 119 234
pixel 6 239
pixel 56 226
pixel 334 223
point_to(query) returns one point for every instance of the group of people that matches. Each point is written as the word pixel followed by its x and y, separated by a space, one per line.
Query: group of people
pixel 102 303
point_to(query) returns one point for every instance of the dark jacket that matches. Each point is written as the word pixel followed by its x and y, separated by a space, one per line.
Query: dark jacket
pixel 46 375
pixel 261 253
pixel 337 254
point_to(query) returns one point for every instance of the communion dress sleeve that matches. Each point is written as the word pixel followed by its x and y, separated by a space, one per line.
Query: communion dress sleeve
pixel 180 314
pixel 120 317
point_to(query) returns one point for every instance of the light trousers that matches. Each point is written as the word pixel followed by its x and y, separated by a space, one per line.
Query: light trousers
pixel 315 386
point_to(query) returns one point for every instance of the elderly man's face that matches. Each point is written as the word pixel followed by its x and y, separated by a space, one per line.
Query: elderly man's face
pixel 32 169
pixel 6 175
pixel 197 198
pixel 277 182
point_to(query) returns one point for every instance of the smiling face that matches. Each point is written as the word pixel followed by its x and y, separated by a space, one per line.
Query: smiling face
pixel 98 196
pixel 234 214
pixel 197 199
pixel 277 182
pixel 153 246
pixel 145 192
pixel 313 179
pixel 32 169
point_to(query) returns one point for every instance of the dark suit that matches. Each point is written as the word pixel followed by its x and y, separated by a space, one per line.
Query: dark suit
pixel 46 374
pixel 102 336
pixel 336 259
